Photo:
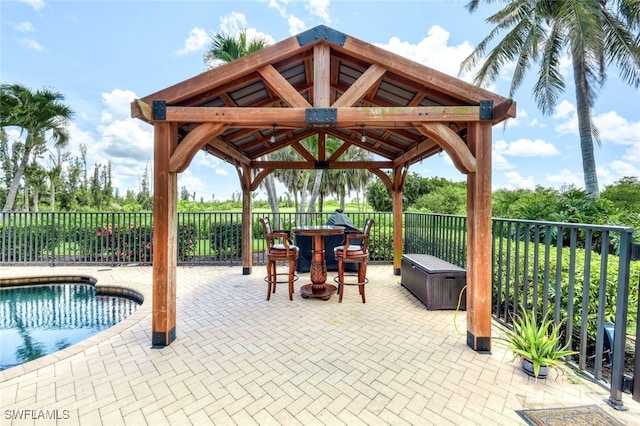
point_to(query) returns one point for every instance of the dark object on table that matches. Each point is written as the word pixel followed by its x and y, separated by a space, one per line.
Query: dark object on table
pixel 435 282
pixel 337 218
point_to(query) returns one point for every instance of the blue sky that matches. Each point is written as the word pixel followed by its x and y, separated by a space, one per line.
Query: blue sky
pixel 103 54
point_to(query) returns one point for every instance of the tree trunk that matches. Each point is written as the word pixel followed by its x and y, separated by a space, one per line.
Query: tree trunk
pixel 585 126
pixel 301 219
pixel 15 184
pixel 53 196
pixel 26 197
pixel 272 197
pixel 36 200
pixel 315 191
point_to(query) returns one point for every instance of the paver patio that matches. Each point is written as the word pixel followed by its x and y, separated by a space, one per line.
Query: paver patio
pixel 240 360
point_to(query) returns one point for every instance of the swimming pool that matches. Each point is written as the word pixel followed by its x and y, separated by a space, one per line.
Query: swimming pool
pixel 36 320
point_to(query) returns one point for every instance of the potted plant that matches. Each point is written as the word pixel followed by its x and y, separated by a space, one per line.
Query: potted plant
pixel 537 344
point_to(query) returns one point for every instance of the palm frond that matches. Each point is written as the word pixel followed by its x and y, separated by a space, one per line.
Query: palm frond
pixel 550 82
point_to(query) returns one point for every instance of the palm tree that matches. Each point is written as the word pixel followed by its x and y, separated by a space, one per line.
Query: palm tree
pixel 595 33
pixel 223 49
pixel 38 114
pixel 341 182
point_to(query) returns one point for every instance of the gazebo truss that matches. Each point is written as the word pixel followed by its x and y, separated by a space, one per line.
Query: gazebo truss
pixel 327 83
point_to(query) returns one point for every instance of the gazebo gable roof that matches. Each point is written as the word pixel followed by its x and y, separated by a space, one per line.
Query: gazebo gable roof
pixel 264 101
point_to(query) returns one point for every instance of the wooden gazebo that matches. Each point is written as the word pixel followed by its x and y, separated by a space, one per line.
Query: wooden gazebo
pixel 323 82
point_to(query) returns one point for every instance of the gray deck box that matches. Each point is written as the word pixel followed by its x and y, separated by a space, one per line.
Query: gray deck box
pixel 435 282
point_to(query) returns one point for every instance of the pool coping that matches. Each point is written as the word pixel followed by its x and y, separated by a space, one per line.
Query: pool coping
pixel 114 289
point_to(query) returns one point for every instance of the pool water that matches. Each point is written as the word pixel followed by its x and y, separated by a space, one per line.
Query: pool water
pixel 39 320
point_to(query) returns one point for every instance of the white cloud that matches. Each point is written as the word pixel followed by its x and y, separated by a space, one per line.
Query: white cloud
pixel 36 4
pixel 118 139
pixel 566 177
pixel 564 109
pixel 633 153
pixel 566 112
pixel 197 40
pixel 118 103
pixel 515 122
pixel 517 181
pixel 623 168
pixel 525 148
pixel 280 6
pixel 432 51
pixel 296 25
pixel 24 27
pixel 611 126
pixel 498 162
pixel 191 182
pixel 617 129
pixel 319 8
pixel 232 23
pixel 31 44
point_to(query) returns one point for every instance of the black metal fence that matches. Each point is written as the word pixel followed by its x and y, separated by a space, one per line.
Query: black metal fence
pixel 582 273
pixel 210 238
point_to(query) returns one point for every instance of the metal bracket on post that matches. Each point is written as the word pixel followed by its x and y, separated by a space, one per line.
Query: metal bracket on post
pixel 321 165
pixel 321 118
pixel 486 110
pixel 159 110
pixel 635 251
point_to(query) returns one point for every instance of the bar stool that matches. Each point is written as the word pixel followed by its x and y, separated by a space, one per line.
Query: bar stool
pixel 279 248
pixel 353 251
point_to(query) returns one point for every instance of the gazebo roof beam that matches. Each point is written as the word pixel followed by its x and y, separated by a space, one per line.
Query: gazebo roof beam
pixel 310 165
pixel 354 117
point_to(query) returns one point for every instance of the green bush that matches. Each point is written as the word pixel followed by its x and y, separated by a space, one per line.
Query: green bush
pixel 25 242
pixel 128 243
pixel 226 239
pixel 381 245
pixel 593 304
pixel 186 240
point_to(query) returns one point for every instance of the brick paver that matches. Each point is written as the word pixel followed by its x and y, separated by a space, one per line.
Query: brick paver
pixel 239 359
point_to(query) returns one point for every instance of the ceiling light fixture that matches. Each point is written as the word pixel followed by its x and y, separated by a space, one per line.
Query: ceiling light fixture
pixel 363 138
pixel 272 139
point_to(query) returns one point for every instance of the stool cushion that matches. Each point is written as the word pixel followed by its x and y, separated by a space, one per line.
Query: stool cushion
pixel 351 251
pixel 279 250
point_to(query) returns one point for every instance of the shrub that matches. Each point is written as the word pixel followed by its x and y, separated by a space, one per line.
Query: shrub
pixel 226 239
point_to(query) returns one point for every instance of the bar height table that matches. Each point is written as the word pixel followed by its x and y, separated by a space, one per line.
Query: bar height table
pixel 318 272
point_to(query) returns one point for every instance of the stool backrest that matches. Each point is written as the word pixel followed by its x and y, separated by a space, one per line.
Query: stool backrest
pixel 368 224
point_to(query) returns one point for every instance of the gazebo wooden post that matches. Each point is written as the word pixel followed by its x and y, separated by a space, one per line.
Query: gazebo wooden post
pixel 399 175
pixel 479 239
pixel 165 226
pixel 397 231
pixel 247 231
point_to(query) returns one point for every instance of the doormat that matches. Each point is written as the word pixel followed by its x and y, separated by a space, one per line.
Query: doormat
pixel 587 415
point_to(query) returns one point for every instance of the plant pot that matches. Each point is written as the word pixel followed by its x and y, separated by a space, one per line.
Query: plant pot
pixel 527 366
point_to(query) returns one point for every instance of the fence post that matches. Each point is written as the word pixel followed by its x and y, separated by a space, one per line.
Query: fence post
pixel 53 239
pixel 620 330
pixel 635 255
